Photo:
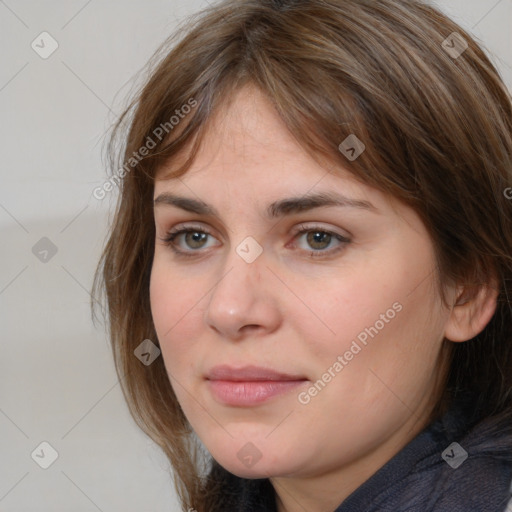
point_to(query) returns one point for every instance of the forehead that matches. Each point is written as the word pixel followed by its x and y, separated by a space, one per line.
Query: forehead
pixel 242 126
pixel 248 151
pixel 247 135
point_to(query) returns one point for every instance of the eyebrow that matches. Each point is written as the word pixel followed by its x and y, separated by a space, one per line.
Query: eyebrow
pixel 276 209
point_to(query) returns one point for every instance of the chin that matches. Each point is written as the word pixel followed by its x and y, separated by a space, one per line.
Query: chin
pixel 253 461
pixel 259 470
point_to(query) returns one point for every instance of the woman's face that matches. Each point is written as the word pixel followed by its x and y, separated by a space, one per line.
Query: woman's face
pixel 292 354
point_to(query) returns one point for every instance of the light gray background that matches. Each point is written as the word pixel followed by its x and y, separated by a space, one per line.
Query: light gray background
pixel 57 380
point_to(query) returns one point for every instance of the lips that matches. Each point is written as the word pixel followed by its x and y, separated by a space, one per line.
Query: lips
pixel 249 385
pixel 249 373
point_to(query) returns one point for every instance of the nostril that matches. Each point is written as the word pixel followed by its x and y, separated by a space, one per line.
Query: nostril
pixel 250 327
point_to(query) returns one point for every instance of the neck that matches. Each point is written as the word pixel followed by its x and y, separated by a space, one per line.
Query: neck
pixel 325 492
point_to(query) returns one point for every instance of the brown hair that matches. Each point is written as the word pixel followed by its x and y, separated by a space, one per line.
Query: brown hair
pixel 438 134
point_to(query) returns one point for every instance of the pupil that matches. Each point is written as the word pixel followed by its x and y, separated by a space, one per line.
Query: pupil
pixel 197 238
pixel 319 237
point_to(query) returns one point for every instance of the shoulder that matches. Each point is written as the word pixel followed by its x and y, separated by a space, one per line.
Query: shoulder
pixel 476 470
pixel 451 466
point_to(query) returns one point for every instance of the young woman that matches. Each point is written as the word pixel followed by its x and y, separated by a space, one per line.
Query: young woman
pixel 309 275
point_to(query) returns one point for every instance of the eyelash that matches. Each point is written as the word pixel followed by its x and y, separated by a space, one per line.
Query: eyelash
pixel 168 240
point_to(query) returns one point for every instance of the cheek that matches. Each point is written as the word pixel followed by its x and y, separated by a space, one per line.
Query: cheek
pixel 348 304
pixel 172 294
pixel 175 308
pixel 379 312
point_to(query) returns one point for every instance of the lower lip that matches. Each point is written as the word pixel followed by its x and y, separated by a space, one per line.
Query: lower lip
pixel 245 394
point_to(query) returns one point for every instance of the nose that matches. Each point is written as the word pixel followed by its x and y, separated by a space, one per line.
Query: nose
pixel 245 299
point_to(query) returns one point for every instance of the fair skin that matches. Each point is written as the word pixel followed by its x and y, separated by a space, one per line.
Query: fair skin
pixel 296 313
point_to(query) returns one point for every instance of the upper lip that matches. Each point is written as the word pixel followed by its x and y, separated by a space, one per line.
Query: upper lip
pixel 249 373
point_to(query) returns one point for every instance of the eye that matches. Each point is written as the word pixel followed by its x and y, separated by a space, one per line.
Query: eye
pixel 320 241
pixel 190 241
pixel 194 238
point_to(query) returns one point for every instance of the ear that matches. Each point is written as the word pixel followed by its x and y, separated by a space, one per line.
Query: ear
pixel 473 309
